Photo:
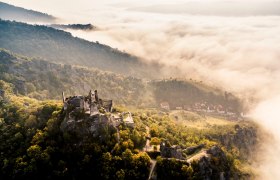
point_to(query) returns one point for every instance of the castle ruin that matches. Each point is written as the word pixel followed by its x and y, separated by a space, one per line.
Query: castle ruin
pixel 90 105
pixel 88 113
pixel 170 151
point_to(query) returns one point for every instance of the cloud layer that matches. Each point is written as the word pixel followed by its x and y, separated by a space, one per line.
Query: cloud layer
pixel 238 53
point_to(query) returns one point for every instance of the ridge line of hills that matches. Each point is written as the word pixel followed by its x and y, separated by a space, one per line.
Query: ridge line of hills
pixel 60 46
pixel 41 79
pixel 11 12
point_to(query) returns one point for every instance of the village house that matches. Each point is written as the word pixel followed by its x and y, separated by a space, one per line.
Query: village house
pixel 117 119
pixel 210 109
pixel 220 109
pixel 179 108
pixel 187 107
pixel 128 120
pixel 165 105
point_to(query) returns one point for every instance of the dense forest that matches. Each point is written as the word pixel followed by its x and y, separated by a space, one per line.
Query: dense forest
pixel 34 146
pixel 60 46
pixel 44 80
pixel 85 27
pixel 188 92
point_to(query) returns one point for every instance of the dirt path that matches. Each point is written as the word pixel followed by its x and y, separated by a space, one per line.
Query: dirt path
pixel 147 146
pixel 198 156
pixel 153 165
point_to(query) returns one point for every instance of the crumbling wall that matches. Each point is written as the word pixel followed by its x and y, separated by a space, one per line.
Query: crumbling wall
pixel 170 152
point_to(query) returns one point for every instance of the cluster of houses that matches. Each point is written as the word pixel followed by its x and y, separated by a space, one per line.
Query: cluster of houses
pixel 124 117
pixel 204 107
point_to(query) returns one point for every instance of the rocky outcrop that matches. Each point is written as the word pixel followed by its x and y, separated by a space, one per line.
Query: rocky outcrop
pixel 170 151
pixel 244 138
pixel 193 149
pixel 85 127
pixel 207 164
pixel 213 165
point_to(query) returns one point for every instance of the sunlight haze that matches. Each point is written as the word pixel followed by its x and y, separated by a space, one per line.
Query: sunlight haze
pixel 229 44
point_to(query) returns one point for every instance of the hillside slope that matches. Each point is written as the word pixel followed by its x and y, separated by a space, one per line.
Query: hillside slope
pixel 187 93
pixel 10 12
pixel 44 80
pixel 33 146
pixel 41 79
pixel 60 46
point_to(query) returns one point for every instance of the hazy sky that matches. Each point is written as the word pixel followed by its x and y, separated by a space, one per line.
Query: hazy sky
pixel 83 7
pixel 234 44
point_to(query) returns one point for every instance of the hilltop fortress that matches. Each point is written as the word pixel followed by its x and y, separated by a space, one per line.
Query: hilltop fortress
pixel 86 114
pixel 90 105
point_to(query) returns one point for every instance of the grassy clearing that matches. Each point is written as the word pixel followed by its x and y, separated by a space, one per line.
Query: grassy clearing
pixel 194 120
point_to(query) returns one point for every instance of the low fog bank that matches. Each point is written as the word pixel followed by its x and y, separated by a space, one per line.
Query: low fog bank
pixel 240 54
pixel 267 114
pixel 216 8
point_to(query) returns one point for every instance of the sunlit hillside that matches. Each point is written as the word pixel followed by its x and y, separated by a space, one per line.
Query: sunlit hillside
pixel 139 90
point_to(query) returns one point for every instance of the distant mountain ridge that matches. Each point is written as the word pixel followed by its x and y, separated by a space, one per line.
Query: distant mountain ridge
pixel 85 27
pixel 61 47
pixel 45 80
pixel 10 12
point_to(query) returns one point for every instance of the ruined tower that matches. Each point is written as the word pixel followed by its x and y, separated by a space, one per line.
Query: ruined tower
pixel 63 97
pixel 96 96
pixel 93 103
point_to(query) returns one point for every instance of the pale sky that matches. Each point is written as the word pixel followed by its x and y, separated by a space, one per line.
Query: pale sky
pixel 60 7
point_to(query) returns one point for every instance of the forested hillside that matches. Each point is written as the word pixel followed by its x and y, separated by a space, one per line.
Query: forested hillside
pixel 60 46
pixel 180 93
pixel 10 12
pixel 85 27
pixel 44 80
pixel 34 146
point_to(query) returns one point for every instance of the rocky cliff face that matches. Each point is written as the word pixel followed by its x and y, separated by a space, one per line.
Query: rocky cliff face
pixel 230 158
pixel 97 127
pixel 244 138
pixel 212 164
